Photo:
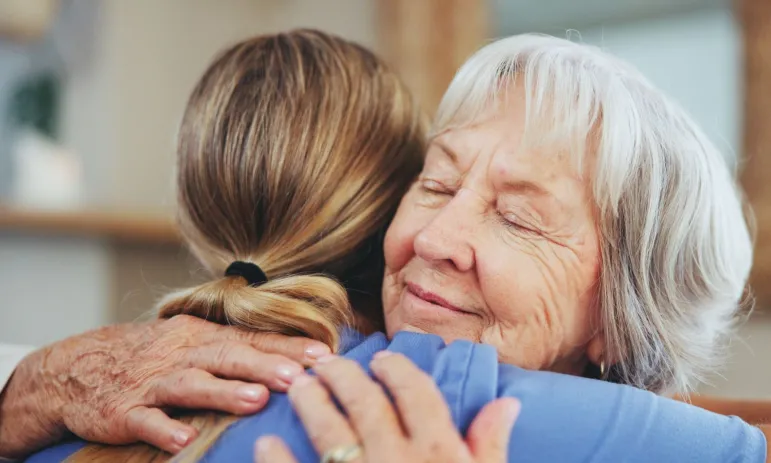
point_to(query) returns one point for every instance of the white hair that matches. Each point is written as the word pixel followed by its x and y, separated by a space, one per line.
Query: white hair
pixel 675 246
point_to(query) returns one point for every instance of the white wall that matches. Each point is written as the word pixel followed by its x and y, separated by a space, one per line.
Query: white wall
pixel 693 57
pixel 51 288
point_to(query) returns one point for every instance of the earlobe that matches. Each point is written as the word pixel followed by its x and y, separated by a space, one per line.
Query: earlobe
pixel 597 353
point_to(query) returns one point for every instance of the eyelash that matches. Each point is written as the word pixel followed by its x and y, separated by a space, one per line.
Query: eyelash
pixel 434 187
pixel 515 226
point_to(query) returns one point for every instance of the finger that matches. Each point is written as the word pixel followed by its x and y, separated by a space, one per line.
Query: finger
pixel 489 433
pixel 152 426
pixel 236 360
pixel 198 389
pixel 327 428
pixel 300 349
pixel 303 350
pixel 416 396
pixel 369 410
pixel 271 449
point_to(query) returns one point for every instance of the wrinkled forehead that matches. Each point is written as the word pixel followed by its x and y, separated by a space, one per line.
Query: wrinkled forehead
pixel 555 116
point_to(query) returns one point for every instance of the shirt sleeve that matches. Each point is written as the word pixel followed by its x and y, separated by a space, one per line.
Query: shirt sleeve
pixel 591 420
pixel 567 418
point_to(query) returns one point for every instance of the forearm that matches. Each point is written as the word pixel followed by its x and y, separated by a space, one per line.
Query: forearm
pixel 28 410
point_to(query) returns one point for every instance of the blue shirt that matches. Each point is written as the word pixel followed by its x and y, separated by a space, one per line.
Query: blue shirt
pixel 563 418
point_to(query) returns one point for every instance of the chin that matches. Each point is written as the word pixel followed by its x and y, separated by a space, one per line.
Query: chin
pixel 449 330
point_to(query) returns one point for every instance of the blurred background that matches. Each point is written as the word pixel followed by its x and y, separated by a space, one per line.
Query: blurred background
pixel 91 93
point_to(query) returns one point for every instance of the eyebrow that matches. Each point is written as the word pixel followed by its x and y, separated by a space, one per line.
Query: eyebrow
pixel 448 151
pixel 517 186
pixel 527 187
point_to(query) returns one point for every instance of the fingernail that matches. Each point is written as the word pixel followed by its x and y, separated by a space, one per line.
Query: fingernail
pixel 315 351
pixel 250 393
pixel 264 445
pixel 513 407
pixel 382 354
pixel 287 373
pixel 181 437
pixel 326 358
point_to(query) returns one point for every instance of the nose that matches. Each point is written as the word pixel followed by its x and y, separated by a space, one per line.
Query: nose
pixel 446 238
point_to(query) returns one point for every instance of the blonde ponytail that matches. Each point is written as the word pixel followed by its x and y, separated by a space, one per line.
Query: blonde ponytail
pixel 314 306
pixel 293 153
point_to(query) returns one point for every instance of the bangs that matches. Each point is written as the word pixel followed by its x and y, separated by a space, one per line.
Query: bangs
pixel 574 103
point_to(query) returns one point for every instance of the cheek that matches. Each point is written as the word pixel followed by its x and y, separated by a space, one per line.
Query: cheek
pixel 511 278
pixel 399 240
pixel 541 299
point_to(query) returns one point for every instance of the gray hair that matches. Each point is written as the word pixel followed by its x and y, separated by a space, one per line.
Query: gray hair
pixel 675 246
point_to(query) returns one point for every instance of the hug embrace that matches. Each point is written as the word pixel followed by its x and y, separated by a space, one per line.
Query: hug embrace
pixel 527 279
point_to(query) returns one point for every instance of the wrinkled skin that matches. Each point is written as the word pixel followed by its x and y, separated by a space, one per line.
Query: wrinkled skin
pixel 498 244
pixel 389 432
pixel 108 385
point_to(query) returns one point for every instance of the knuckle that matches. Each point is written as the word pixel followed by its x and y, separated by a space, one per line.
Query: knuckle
pixel 192 378
pixel 136 422
pixel 179 382
pixel 207 397
pixel 278 343
pixel 243 360
pixel 168 391
pixel 179 386
pixel 224 353
pixel 267 341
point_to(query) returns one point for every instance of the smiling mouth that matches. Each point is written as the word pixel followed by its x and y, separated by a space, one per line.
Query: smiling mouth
pixel 434 299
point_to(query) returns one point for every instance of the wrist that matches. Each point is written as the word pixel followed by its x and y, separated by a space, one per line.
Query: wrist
pixel 30 407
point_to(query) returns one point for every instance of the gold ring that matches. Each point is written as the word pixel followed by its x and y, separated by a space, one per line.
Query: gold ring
pixel 342 454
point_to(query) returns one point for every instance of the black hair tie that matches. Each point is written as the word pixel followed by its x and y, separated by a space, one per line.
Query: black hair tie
pixel 249 271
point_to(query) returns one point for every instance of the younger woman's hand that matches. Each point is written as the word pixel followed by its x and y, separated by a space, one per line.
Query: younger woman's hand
pixel 417 428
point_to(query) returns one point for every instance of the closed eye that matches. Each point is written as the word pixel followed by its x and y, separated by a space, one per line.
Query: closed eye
pixel 516 224
pixel 434 187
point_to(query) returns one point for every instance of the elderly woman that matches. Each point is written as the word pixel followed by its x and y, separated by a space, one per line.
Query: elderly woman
pixel 574 218
pixel 571 217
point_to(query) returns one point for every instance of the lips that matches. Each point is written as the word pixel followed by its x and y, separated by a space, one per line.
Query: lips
pixel 433 298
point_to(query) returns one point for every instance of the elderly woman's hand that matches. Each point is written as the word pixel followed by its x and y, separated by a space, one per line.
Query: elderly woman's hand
pixel 418 428
pixel 108 385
